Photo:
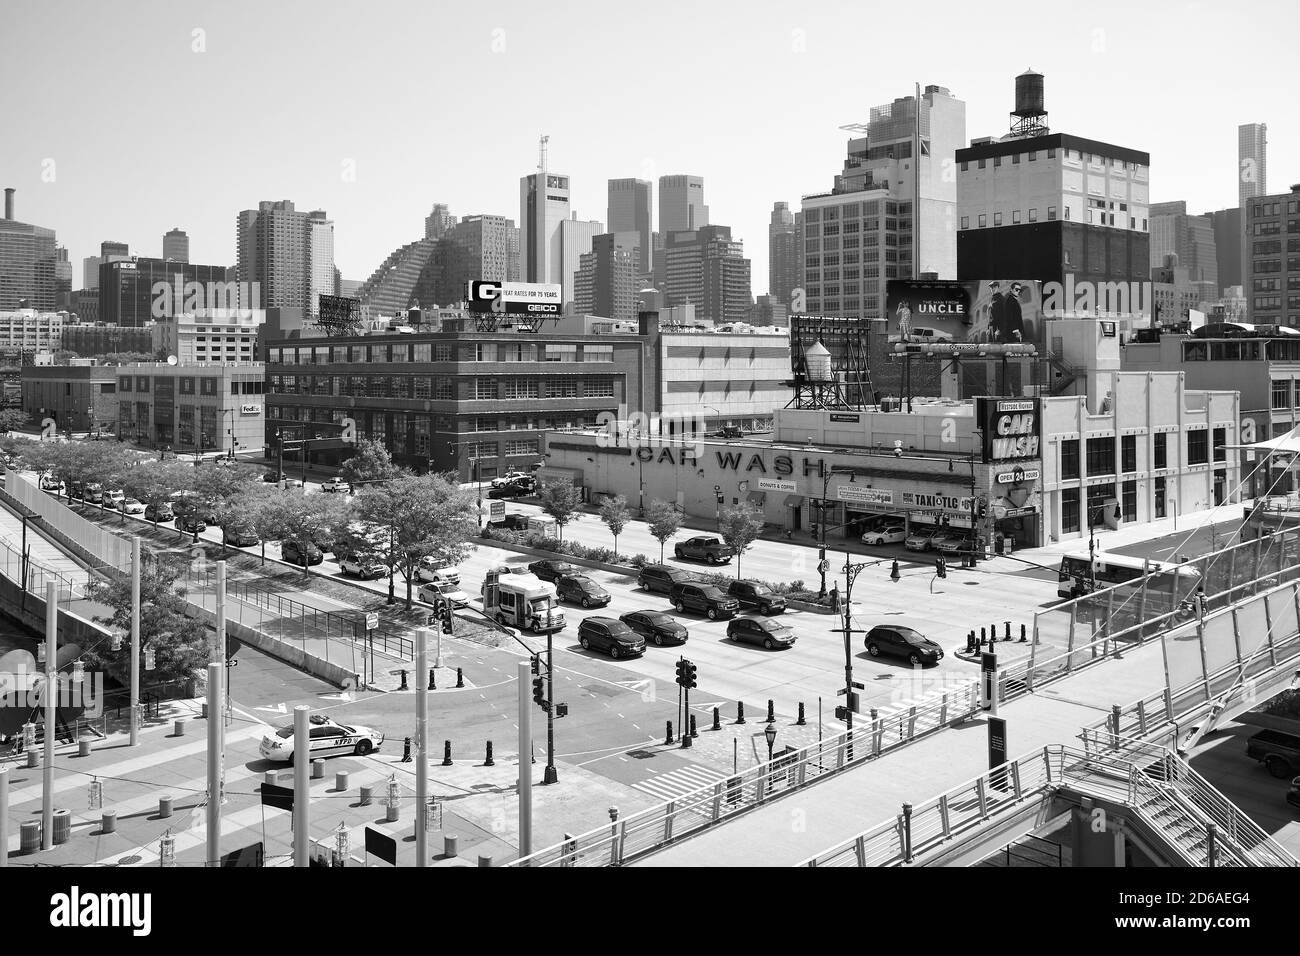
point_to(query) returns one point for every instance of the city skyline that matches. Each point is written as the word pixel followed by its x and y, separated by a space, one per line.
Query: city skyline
pixel 378 191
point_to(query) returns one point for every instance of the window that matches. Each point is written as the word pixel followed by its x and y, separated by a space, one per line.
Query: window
pixel 1220 439
pixel 984 219
pixel 1033 215
pixel 997 219
pixel 1128 454
pixel 1069 510
pixel 1129 500
pixel 443 389
pixel 186 385
pixel 1282 393
pixel 207 386
pixel 1101 456
pixel 521 388
pixel 485 389
pixel 965 220
pixel 442 352
pixel 142 383
pixel 1198 447
pixel 527 446
pixel 1015 215
pixel 561 353
pixel 485 352
pixel 1033 155
pixel 599 388
pixel 982 164
pixel 562 388
pixel 1160 452
pixel 997 161
pixel 1015 159
pixel 1067 213
pixel 1070 458
pixel 598 353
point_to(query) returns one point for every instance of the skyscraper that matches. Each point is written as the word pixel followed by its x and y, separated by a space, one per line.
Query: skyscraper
pixel 438 222
pixel 575 239
pixel 1190 238
pixel 272 246
pixel 176 245
pixel 476 247
pixel 629 213
pixel 62 279
pixel 320 259
pixel 1252 180
pixel 27 263
pixel 707 268
pixel 543 205
pixel 605 283
pixel 681 204
pixel 784 268
pixel 1227 245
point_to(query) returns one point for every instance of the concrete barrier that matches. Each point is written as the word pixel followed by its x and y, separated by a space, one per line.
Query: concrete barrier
pixel 331 673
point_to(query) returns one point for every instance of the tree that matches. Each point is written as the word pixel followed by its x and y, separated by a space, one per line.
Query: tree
pixel 664 521
pixel 303 519
pixel 12 420
pixel 414 517
pixel 372 462
pixel 180 643
pixel 77 463
pixel 560 499
pixel 258 510
pixel 740 525
pixel 154 482
pixel 614 513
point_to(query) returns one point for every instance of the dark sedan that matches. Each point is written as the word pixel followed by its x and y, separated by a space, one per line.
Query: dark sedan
pixel 549 570
pixel 159 512
pixel 191 523
pixel 766 631
pixel 899 641
pixel 656 627
pixel 581 589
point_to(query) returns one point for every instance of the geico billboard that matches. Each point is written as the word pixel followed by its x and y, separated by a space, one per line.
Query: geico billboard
pixel 515 298
pixel 989 316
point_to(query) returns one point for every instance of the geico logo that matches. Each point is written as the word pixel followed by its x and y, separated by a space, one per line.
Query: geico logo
pixel 541 308
pixel 487 290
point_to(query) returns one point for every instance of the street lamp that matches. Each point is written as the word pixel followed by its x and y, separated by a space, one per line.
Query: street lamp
pixel 640 483
pixel 822 564
pixel 770 734
pixel 1092 542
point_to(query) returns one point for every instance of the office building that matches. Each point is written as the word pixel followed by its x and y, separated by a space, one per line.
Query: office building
pixel 209 335
pixel 575 238
pixel 784 263
pixel 476 247
pixel 80 398
pixel 605 284
pixel 706 268
pixel 322 278
pixel 681 204
pixel 1174 295
pixel 176 245
pixel 543 206
pixel 392 285
pixel 769 310
pixel 135 291
pixel 1227 245
pixel 27 263
pixel 203 407
pixel 29 330
pixel 1190 238
pixel 287 253
pixel 95 339
pixel 438 221
pixel 62 280
pixel 1273 262
pixel 629 217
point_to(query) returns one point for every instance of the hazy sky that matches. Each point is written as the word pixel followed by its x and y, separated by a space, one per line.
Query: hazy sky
pixel 121 121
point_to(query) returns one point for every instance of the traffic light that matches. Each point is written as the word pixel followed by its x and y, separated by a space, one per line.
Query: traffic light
pixel 940 567
pixel 537 664
pixel 681 671
pixel 689 675
pixel 446 619
pixel 538 696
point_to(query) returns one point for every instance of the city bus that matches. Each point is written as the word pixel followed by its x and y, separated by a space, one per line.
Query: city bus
pixel 1170 579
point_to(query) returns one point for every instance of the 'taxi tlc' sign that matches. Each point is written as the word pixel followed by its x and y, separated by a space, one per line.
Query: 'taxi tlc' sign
pixel 1010 428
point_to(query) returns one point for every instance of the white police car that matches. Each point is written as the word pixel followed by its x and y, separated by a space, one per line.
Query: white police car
pixel 328 739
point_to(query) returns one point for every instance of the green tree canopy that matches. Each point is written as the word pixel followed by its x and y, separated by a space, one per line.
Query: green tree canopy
pixel 560 499
pixel 371 462
pixel 614 513
pixel 740 526
pixel 664 521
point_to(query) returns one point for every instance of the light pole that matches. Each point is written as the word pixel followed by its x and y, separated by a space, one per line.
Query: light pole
pixel 822 564
pixel 640 482
pixel 851 571
pixel 1092 543
pixel 770 734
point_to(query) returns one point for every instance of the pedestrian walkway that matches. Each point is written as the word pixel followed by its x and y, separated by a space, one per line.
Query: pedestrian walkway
pixel 673 784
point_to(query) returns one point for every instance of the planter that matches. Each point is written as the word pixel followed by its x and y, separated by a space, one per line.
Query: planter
pixel 797 605
pixel 568 558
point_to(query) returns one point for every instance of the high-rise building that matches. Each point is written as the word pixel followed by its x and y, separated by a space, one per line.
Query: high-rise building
pixel 476 247
pixel 1227 245
pixel 681 204
pixel 108 252
pixel 1273 265
pixel 62 279
pixel 629 213
pixel 176 245
pixel 575 239
pixel 605 283
pixel 784 265
pixel 274 252
pixel 543 205
pixel 438 222
pixel 707 268
pixel 1190 238
pixel 109 249
pixel 1252 181
pixel 27 263
pixel 129 289
pixel 320 260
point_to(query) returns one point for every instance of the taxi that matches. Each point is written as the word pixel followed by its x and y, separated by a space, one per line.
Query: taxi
pixel 328 738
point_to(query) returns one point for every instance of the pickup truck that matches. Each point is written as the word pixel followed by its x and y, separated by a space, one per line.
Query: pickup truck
pixel 1279 752
pixel 703 548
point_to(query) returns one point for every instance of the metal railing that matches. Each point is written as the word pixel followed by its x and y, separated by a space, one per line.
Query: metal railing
pixel 102 544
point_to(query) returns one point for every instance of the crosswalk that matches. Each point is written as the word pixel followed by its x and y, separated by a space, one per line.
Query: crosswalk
pixel 674 783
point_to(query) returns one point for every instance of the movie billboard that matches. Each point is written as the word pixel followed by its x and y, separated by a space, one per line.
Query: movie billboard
pixel 975 316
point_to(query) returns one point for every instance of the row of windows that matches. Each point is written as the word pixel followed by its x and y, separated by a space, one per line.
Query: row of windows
pixel 442 352
pixel 1032 216
pixel 440 387
pixel 1031 156
pixel 1100 452
pixel 1275 208
pixel 854 210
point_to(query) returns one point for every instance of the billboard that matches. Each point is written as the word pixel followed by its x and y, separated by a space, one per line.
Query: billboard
pixel 975 316
pixel 1009 429
pixel 514 298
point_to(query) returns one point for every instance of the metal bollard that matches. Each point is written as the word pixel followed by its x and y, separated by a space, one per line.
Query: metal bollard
pixel 403 687
pixel 33 759
pixel 982 637
pixel 717 718
pixel 341 780
pixel 203 712
pixel 771 711
pixel 460 682
pixel 740 711
pixel 993 635
pixel 484 859
pixel 489 762
pixel 165 807
pixel 433 678
pixel 318 769
pixel 800 722
pixel 1022 634
pixel 178 727
pixel 669 738
pixel 1007 634
pixel 271 778
pixel 83 748
pixel 108 822
pixel 450 845
pixel 367 796
pixel 694 732
pixel 406 751
pixel 446 753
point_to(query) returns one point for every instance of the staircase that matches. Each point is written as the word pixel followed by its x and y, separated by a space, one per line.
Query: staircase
pixel 1067 373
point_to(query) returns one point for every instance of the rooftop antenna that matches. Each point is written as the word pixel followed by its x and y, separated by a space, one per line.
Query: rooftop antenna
pixel 541 154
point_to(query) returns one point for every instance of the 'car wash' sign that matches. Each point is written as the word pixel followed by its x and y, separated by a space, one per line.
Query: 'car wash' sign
pixel 1010 428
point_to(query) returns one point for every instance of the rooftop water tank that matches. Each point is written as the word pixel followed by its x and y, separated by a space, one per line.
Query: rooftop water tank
pixel 818 359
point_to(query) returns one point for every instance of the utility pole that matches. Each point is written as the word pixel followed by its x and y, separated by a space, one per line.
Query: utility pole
pixel 135 641
pixel 216 733
pixel 301 786
pixel 525 761
pixel 51 672
pixel 551 775
pixel 422 750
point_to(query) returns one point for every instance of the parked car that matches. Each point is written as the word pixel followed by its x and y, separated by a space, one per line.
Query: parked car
pixel 921 540
pixel 611 636
pixel 703 548
pixel 661 577
pixel 94 493
pixel 442 591
pixel 159 511
pixel 191 522
pixel 240 536
pixel 1293 795
pixel 549 570
pixel 756 597
pixel 703 599
pixel 131 506
pixel 889 534
pixel 957 543
pixel 50 483
pixel 328 739
pixel 656 626
pixel 75 491
pixel 362 566
pixel 113 498
pixel 292 482
pixel 757 630
pixel 581 589
pixel 431 570
pixel 334 485
pixel 512 489
pixel 294 553
pixel 1279 752
pixel 729 431
pixel 898 641
pixel 511 478
pixel 514 521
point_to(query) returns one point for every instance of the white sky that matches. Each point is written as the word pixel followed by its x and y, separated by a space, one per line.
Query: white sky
pixel 443 101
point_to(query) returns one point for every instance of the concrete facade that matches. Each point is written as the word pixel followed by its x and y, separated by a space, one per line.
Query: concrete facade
pixel 80 398
pixel 200 407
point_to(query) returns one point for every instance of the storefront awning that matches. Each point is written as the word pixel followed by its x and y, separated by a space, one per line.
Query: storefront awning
pixel 758 497
pixel 794 501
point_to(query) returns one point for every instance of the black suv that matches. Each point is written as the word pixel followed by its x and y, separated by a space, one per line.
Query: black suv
pixel 661 578
pixel 703 599
pixel 549 570
pixel 757 596
pixel 293 552
pixel 581 589
pixel 903 642
pixel 610 635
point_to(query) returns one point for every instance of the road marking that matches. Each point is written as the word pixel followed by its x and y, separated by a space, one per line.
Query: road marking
pixel 624 718
pixel 675 783
pixel 277 709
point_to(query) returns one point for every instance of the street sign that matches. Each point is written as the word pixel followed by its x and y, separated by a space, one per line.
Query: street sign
pixel 496 509
pixel 859 686
pixel 372 620
pixel 381 845
pixel 823 566
pixel 997 751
